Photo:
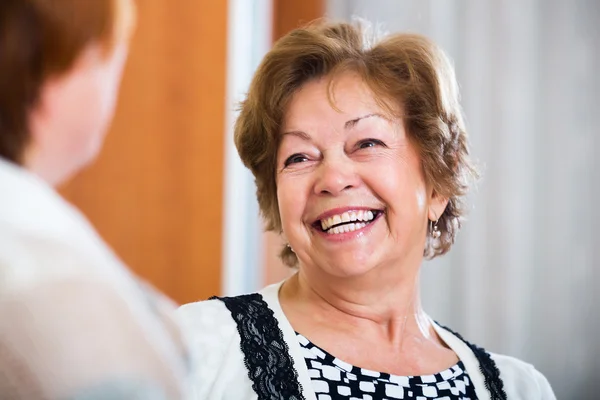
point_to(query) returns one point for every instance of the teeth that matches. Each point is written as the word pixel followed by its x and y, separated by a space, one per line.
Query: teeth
pixel 346 217
pixel 346 228
pixel 352 216
pixel 337 220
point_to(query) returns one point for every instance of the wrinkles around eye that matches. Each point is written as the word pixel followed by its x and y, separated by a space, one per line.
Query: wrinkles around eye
pixel 369 143
pixel 295 159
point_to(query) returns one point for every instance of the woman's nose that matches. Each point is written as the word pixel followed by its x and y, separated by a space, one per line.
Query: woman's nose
pixel 335 175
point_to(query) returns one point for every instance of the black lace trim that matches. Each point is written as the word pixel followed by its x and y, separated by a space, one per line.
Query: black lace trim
pixel 266 354
pixel 488 368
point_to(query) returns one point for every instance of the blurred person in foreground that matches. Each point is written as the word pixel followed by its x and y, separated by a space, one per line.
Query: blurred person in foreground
pixel 74 322
pixel 361 161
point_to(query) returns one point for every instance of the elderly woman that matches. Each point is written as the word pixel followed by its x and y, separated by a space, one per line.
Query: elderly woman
pixel 361 161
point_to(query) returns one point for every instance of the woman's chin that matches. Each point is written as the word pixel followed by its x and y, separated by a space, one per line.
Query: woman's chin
pixel 349 264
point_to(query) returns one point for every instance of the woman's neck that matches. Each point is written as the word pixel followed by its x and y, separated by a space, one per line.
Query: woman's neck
pixel 389 309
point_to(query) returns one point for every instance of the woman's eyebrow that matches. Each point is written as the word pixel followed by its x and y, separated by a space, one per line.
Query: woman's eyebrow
pixel 352 123
pixel 348 125
pixel 300 134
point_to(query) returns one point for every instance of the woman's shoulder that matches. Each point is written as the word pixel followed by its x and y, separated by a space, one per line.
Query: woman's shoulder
pixel 215 347
pixel 518 379
pixel 213 317
pixel 206 318
pixel 522 378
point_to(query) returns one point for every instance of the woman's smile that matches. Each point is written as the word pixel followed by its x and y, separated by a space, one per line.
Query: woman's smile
pixel 346 223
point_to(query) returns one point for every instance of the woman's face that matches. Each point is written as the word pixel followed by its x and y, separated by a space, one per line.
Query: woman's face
pixel 76 107
pixel 350 187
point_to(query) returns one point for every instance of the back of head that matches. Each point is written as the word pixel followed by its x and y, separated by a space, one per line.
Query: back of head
pixel 406 72
pixel 40 39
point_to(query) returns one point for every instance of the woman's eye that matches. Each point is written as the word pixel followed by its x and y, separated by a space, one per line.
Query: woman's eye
pixel 294 159
pixel 370 143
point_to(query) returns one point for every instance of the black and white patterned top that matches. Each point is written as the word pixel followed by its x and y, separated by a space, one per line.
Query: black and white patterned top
pixel 334 379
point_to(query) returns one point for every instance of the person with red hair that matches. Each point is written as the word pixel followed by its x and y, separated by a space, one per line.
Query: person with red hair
pixel 74 322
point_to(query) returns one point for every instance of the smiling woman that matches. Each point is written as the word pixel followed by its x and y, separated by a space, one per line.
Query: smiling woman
pixel 361 161
pixel 355 171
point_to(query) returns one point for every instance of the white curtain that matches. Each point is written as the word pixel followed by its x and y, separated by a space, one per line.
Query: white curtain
pixel 522 278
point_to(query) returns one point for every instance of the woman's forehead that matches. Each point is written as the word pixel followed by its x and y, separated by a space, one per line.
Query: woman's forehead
pixel 337 100
pixel 328 95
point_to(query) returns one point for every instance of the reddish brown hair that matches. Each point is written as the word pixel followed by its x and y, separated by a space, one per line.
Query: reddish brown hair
pixel 40 39
pixel 405 72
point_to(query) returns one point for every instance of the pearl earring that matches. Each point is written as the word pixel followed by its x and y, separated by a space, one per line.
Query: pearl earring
pixel 435 230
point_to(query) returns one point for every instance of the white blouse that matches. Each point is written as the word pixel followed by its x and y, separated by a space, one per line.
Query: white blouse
pixel 74 322
pixel 222 374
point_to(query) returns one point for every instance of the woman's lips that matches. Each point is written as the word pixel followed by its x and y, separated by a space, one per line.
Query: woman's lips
pixel 348 227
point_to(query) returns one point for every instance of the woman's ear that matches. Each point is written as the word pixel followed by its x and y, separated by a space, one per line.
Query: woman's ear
pixel 437 205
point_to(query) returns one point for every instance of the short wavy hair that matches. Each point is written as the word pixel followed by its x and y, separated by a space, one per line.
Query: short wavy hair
pixel 404 71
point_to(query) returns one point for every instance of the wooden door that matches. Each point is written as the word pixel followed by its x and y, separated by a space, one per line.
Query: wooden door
pixel 155 193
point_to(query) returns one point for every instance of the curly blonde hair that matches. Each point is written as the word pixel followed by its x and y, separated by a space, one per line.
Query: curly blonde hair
pixel 404 71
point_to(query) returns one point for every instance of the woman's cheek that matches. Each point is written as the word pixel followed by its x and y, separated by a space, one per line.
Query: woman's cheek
pixel 286 202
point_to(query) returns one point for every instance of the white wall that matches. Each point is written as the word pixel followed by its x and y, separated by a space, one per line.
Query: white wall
pixel 249 38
